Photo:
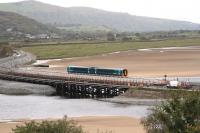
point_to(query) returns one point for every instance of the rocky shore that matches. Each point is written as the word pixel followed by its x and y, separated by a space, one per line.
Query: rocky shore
pixel 17 88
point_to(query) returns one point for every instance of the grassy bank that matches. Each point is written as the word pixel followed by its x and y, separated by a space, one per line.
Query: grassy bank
pixel 78 50
pixel 148 93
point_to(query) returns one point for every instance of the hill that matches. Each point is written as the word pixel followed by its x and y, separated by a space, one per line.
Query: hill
pixel 12 24
pixel 65 17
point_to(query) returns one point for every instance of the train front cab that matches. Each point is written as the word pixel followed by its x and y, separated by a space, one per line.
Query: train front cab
pixel 125 72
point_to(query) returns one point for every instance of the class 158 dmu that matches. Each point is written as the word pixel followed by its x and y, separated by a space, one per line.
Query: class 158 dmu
pixel 97 71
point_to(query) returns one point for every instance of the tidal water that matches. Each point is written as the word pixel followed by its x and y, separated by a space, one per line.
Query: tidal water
pixel 38 107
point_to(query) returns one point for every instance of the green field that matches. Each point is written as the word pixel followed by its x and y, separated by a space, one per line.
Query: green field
pixel 78 50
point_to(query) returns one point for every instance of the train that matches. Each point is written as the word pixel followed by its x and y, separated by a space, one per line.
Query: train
pixel 97 71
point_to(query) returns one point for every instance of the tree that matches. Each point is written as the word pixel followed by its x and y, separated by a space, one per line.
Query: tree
pixel 137 34
pixel 143 38
pixel 59 126
pixel 111 36
pixel 181 114
pixel 127 38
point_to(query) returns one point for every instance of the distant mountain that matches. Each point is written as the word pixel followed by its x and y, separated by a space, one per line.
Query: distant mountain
pixel 12 23
pixel 60 16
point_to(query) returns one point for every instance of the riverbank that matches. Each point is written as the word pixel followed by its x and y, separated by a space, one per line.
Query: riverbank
pixel 104 116
pixel 132 101
pixel 97 124
pixel 18 59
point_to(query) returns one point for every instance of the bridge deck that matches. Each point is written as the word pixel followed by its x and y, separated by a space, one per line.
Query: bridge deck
pixel 68 86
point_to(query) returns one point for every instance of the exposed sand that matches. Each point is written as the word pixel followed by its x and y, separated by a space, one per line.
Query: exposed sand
pixel 143 63
pixel 93 124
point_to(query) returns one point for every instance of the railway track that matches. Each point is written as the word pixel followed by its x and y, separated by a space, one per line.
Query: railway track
pixel 65 85
pixel 8 66
pixel 71 85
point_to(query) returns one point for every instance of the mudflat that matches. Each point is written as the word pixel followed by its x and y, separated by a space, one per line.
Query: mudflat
pixel 177 61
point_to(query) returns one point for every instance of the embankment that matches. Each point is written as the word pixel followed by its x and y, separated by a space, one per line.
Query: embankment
pixel 18 59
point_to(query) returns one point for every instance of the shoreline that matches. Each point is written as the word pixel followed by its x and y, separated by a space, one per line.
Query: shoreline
pixel 91 124
pixel 132 101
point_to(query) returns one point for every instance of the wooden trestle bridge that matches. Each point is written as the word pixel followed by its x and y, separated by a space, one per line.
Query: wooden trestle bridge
pixel 77 86
pixel 73 86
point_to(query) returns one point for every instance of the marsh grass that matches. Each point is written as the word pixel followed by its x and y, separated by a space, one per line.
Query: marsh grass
pixel 89 49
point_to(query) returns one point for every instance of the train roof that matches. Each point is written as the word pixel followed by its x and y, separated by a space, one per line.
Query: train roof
pixel 78 66
pixel 96 67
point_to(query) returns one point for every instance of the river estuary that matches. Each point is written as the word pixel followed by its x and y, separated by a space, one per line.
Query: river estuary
pixel 39 107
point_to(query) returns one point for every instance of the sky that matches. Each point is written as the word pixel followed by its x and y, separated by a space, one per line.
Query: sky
pixel 187 10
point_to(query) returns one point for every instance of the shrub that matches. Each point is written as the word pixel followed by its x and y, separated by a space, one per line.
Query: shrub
pixel 180 114
pixel 59 126
pixel 5 51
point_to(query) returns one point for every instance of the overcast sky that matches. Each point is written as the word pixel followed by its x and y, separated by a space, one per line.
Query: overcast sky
pixel 188 10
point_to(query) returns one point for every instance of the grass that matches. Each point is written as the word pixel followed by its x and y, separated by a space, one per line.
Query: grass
pixel 79 50
pixel 148 93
